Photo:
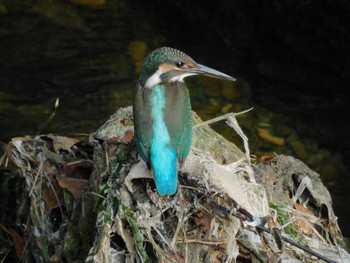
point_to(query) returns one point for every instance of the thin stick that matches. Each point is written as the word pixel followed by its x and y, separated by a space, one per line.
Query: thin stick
pixel 292 242
pixel 207 243
pixel 222 117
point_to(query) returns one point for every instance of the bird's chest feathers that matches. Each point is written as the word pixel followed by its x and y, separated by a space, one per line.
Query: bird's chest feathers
pixel 169 111
pixel 158 106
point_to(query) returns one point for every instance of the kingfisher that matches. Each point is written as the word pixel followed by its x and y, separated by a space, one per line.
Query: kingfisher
pixel 163 115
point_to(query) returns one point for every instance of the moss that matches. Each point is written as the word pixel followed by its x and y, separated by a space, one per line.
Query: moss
pixel 87 230
pixel 72 244
pixel 283 218
pixel 128 214
pixel 68 200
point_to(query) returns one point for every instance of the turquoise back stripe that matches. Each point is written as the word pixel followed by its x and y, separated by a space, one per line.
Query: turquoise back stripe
pixel 163 155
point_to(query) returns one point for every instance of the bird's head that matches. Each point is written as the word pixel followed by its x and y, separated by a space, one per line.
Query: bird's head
pixel 166 64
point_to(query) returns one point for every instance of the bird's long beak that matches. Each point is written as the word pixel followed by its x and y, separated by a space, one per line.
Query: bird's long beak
pixel 206 71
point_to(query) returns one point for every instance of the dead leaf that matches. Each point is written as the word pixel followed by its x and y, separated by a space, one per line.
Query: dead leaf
pixel 18 241
pixel 267 158
pixel 80 169
pixel 73 185
pixel 128 136
pixel 203 220
pixel 304 226
pixel 49 168
pixel 50 199
pixel 62 142
pixel 302 208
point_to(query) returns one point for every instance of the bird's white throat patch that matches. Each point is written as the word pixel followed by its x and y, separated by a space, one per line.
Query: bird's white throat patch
pixel 154 79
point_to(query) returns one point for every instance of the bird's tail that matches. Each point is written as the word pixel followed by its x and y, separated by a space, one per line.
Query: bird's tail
pixel 164 164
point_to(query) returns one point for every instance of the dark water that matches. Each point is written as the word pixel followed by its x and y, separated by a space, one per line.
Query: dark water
pixel 291 60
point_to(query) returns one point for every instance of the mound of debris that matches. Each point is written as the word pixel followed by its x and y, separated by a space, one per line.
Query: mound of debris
pixel 95 201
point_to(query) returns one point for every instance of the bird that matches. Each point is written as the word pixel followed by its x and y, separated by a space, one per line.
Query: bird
pixel 162 113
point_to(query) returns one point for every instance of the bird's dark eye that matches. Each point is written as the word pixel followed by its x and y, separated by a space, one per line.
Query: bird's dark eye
pixel 179 64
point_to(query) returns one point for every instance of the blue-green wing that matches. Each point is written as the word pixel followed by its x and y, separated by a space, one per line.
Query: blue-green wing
pixel 142 123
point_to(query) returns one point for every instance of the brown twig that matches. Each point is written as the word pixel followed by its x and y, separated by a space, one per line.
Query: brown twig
pixel 202 242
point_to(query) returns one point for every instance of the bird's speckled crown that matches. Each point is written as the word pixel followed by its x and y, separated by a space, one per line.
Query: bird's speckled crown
pixel 159 56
